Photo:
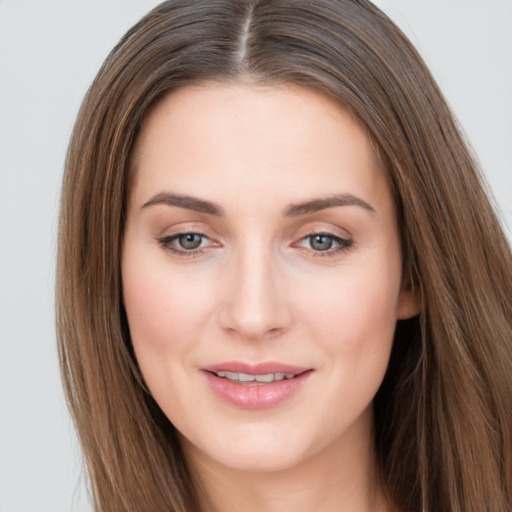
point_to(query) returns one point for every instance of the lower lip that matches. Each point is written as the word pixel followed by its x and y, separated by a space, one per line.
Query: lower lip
pixel 256 396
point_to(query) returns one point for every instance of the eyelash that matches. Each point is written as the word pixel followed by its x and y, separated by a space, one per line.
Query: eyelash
pixel 342 244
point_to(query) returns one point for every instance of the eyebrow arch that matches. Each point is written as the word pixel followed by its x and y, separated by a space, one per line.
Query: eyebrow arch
pixel 323 203
pixel 183 201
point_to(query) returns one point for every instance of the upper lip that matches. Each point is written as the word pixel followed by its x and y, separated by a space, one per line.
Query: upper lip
pixel 255 368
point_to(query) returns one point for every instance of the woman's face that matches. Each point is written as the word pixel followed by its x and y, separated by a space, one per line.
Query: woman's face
pixel 261 273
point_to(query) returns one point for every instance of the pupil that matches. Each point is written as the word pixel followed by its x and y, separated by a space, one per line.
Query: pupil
pixel 321 242
pixel 190 241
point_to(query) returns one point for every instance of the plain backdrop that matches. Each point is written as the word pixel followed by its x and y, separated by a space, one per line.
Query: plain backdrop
pixel 49 53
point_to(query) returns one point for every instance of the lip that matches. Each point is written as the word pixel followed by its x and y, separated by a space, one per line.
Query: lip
pixel 261 396
pixel 255 368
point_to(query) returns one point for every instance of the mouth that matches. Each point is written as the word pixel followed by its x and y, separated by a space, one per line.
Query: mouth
pixel 259 386
pixel 255 379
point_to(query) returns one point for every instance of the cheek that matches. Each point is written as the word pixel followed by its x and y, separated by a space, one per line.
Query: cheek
pixel 355 308
pixel 353 319
pixel 165 310
pixel 167 316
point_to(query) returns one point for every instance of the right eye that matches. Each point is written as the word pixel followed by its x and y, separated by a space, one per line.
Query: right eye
pixel 185 243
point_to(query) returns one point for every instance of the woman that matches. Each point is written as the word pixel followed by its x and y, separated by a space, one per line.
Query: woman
pixel 281 284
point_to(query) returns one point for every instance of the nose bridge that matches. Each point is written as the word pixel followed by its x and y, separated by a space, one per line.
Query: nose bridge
pixel 256 305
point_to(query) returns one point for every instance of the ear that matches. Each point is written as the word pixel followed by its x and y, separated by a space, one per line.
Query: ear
pixel 409 301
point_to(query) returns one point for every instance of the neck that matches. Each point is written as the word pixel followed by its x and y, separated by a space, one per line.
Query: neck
pixel 340 478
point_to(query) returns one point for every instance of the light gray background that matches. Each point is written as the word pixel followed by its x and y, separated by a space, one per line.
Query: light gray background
pixel 49 53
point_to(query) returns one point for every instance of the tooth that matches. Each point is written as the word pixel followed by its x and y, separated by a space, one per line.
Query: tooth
pixel 244 377
pixel 269 377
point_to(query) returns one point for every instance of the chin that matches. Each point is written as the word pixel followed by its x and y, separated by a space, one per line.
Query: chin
pixel 250 450
pixel 256 461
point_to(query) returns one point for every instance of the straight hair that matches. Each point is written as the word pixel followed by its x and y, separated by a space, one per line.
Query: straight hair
pixel 443 415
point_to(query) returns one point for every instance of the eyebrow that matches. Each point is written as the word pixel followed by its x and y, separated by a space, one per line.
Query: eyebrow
pixel 294 210
pixel 323 203
pixel 187 202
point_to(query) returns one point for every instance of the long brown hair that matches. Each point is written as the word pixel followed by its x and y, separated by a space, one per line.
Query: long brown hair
pixel 443 415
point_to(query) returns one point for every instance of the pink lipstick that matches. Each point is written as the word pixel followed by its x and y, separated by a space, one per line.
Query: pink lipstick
pixel 255 386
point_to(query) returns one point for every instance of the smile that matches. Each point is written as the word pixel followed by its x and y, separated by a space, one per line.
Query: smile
pixel 260 386
pixel 256 379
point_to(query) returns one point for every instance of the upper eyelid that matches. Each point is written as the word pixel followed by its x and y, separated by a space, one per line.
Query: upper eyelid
pixel 329 231
pixel 182 229
pixel 337 238
pixel 309 232
pixel 299 233
pixel 177 234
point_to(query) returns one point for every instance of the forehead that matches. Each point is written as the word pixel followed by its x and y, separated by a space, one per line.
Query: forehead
pixel 230 138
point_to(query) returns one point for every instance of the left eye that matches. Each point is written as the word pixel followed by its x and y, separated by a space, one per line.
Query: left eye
pixel 325 242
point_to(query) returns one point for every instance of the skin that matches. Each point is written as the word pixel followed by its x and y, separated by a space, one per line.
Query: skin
pixel 259 289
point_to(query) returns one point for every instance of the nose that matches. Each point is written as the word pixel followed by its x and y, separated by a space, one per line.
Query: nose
pixel 256 304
